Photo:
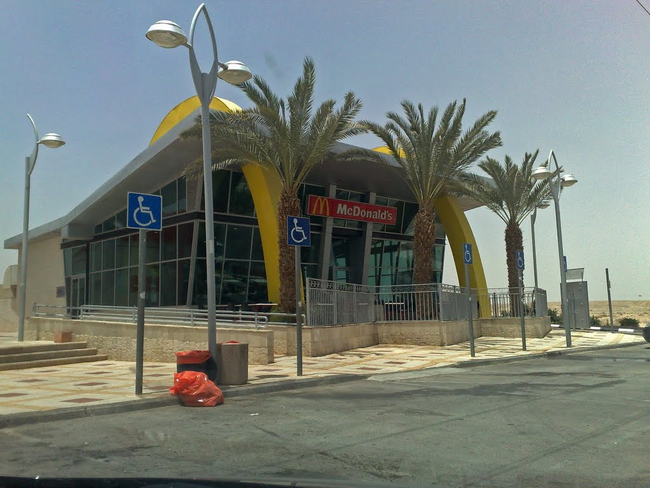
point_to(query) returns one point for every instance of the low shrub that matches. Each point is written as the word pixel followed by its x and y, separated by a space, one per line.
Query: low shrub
pixel 556 318
pixel 594 321
pixel 628 322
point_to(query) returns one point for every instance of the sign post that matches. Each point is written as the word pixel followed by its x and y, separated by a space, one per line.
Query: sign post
pixel 609 300
pixel 144 212
pixel 298 235
pixel 468 260
pixel 519 256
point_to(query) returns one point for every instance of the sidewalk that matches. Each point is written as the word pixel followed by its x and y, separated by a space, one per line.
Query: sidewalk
pixel 106 382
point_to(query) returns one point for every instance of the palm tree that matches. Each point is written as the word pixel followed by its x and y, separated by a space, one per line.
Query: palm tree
pixel 288 138
pixel 512 194
pixel 431 152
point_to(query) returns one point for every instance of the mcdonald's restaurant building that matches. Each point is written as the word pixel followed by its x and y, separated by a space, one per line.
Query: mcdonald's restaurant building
pixel 361 221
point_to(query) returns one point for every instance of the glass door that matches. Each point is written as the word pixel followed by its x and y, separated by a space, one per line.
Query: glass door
pixel 77 295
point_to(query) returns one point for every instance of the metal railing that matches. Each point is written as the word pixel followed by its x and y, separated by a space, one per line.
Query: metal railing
pixel 332 303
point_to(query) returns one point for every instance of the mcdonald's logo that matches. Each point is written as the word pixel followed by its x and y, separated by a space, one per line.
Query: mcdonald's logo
pixel 318 205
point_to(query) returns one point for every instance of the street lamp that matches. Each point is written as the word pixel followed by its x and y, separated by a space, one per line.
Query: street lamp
pixel 52 141
pixel 541 205
pixel 169 35
pixel 557 181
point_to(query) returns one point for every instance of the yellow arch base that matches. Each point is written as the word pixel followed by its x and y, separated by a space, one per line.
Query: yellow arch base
pixel 264 186
pixel 458 231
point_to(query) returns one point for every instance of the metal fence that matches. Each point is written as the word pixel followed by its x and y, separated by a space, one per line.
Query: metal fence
pixel 334 303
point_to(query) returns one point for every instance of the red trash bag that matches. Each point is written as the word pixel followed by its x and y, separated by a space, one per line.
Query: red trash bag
pixel 196 390
pixel 192 357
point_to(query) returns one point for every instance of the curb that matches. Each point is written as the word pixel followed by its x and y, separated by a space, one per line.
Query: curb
pixel 18 419
pixel 548 354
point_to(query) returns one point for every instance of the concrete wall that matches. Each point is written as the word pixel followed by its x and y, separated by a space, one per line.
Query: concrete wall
pixel 8 315
pixel 426 333
pixel 44 273
pixel 324 340
pixel 536 327
pixel 161 341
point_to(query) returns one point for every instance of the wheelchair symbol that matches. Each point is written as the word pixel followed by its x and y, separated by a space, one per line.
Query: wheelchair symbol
pixel 467 253
pixel 295 231
pixel 520 260
pixel 143 210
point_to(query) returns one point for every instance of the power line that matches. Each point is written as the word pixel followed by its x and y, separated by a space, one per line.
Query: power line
pixel 646 10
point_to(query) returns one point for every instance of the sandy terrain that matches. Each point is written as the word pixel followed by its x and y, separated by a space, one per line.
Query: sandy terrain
pixel 637 309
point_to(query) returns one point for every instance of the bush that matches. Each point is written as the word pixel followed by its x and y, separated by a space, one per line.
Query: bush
pixel 556 318
pixel 628 322
pixel 594 321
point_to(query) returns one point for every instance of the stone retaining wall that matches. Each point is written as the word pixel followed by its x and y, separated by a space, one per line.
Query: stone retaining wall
pixel 160 343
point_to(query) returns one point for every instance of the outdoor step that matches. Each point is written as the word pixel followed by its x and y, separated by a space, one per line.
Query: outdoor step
pixel 40 346
pixel 52 362
pixel 37 356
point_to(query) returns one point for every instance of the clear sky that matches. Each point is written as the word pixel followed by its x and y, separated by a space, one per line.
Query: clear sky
pixel 572 76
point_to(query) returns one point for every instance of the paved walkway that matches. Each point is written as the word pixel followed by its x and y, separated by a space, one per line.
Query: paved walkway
pixel 103 382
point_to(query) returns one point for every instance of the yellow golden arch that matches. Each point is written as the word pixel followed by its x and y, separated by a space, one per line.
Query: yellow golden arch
pixel 265 187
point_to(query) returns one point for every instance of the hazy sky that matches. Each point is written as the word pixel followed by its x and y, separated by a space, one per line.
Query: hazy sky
pixel 572 76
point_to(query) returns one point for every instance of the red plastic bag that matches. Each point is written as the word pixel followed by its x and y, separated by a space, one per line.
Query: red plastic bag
pixel 196 390
pixel 192 357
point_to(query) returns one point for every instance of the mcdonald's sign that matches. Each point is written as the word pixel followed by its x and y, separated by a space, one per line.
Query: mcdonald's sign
pixel 344 209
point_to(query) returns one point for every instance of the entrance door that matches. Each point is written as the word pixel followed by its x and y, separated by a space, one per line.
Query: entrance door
pixel 77 295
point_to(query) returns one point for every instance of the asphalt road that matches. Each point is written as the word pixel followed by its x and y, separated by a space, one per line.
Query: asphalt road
pixel 576 420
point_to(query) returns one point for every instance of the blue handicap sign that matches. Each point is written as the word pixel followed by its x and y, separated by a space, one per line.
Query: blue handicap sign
pixel 144 211
pixel 519 256
pixel 467 253
pixel 298 231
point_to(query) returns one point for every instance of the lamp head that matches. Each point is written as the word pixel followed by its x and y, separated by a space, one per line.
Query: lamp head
pixel 235 73
pixel 543 204
pixel 541 173
pixel 568 180
pixel 52 140
pixel 166 34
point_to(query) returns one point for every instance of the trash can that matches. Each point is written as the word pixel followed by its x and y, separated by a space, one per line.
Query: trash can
pixel 646 332
pixel 200 361
pixel 232 363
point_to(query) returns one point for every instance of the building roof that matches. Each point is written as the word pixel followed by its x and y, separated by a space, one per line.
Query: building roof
pixel 166 158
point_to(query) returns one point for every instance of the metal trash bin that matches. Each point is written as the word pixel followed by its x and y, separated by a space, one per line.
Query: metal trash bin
pixel 200 361
pixel 232 363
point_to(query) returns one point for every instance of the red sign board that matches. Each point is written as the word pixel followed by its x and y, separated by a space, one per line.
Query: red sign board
pixel 344 209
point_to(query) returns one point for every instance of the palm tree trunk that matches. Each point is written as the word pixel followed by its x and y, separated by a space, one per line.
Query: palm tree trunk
pixel 424 234
pixel 289 204
pixel 514 242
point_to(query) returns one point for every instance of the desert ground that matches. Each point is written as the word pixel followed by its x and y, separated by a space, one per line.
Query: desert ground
pixel 637 309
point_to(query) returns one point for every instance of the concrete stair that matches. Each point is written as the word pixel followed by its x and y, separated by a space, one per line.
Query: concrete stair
pixel 43 354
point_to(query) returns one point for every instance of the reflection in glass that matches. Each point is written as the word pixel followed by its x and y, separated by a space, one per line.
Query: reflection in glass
pixel 238 242
pixel 235 274
pixel 152 287
pixel 182 195
pixel 257 290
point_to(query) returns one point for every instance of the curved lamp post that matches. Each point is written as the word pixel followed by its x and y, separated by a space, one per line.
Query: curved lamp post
pixel 52 141
pixel 557 181
pixel 541 205
pixel 169 35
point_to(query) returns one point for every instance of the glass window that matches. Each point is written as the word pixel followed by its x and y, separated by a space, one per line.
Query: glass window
pixel 182 195
pixel 96 289
pixel 133 286
pixel 185 232
pixel 134 241
pixel 108 253
pixel 152 284
pixel 108 224
pixel 257 291
pixel 200 292
pixel 120 220
pixel 233 288
pixel 183 280
pixel 405 259
pixel 241 201
pixel 108 288
pixel 310 254
pixel 200 243
pixel 257 253
pixel 397 227
pixel 220 186
pixel 168 245
pixel 79 257
pixel 96 257
pixel 438 254
pixel 67 261
pixel 153 246
pixel 122 287
pixel 168 282
pixel 219 241
pixel 408 222
pixel 98 229
pixel 169 199
pixel 122 252
pixel 238 243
